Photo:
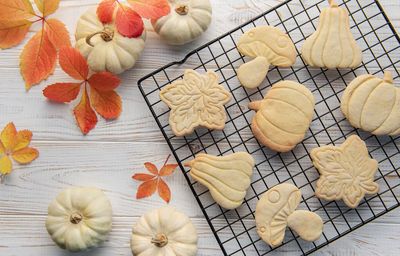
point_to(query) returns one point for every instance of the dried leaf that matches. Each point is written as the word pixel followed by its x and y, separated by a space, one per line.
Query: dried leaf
pixel 147 189
pixel 12 32
pixel 164 191
pixel 62 92
pixel 104 81
pixel 16 10
pixel 7 136
pixel 57 33
pixel 38 59
pixel 151 168
pixel 5 165
pixel 150 9
pixel 84 114
pixel 25 155
pixel 73 63
pixel 2 149
pixel 47 7
pixel 105 11
pixel 143 176
pixel 107 104
pixel 128 22
pixel 22 140
pixel 168 169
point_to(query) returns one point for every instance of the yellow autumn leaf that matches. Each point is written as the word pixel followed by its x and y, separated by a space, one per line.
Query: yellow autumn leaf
pixel 5 165
pixel 7 135
pixel 2 149
pixel 25 155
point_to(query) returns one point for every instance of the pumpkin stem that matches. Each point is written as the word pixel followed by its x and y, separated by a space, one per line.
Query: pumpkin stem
pixel 75 218
pixel 332 3
pixel 160 240
pixel 107 35
pixel 387 77
pixel 182 9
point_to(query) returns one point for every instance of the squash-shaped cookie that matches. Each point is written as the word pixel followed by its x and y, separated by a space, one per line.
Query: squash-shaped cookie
pixel 276 209
pixel 332 45
pixel 346 172
pixel 373 104
pixel 283 116
pixel 197 100
pixel 227 177
pixel 268 45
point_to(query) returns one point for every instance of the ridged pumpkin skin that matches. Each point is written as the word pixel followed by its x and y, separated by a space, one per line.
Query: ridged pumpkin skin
pixel 227 177
pixel 332 45
pixel 283 116
pixel 373 104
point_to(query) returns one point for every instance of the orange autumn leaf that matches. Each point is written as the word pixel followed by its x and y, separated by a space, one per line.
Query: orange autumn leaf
pixel 16 10
pixel 163 191
pixel 147 188
pixel 143 176
pixel 151 168
pixel 38 59
pixel 107 104
pixel 62 92
pixel 25 155
pixel 168 169
pixel 105 11
pixel 150 9
pixel 12 32
pixel 128 22
pixel 57 33
pixel 47 7
pixel 2 149
pixel 84 114
pixel 104 81
pixel 73 63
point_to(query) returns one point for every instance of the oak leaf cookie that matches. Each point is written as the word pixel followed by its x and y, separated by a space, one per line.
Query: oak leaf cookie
pixel 283 116
pixel 373 104
pixel 227 177
pixel 346 172
pixel 197 100
pixel 268 45
pixel 332 45
pixel 276 209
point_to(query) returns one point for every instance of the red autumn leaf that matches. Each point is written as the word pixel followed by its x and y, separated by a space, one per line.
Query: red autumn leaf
pixel 47 7
pixel 107 104
pixel 12 32
pixel 57 33
pixel 146 189
pixel 105 11
pixel 73 63
pixel 84 114
pixel 62 92
pixel 151 168
pixel 104 81
pixel 16 10
pixel 38 59
pixel 163 191
pixel 128 22
pixel 143 176
pixel 150 9
pixel 168 169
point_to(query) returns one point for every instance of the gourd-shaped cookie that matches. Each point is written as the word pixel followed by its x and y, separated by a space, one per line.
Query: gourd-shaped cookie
pixel 268 45
pixel 332 45
pixel 283 116
pixel 227 177
pixel 276 210
pixel 373 104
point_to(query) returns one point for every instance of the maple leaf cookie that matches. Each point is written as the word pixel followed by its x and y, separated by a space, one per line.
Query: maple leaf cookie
pixel 197 100
pixel 346 172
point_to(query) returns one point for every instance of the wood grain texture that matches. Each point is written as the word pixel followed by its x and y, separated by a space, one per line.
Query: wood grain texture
pixel 110 154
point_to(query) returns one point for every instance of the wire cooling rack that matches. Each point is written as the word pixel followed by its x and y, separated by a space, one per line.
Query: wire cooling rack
pixel 235 229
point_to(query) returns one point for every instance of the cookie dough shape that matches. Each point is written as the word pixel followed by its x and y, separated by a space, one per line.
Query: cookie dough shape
pixel 276 209
pixel 332 45
pixel 268 45
pixel 227 177
pixel 373 104
pixel 197 100
pixel 283 116
pixel 346 172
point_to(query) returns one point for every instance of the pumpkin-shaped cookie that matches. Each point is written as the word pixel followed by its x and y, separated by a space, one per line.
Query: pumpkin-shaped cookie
pixel 283 116
pixel 332 45
pixel 227 177
pixel 373 104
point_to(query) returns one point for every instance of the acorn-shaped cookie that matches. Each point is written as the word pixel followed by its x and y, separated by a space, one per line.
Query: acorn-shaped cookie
pixel 373 104
pixel 268 45
pixel 332 45
pixel 227 177
pixel 283 116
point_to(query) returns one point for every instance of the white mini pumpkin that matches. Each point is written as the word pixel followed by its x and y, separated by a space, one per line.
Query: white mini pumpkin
pixel 164 232
pixel 187 21
pixel 104 48
pixel 79 218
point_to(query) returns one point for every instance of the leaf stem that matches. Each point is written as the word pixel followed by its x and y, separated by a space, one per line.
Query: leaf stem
pixel 167 160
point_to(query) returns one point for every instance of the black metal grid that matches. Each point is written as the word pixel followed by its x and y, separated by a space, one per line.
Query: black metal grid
pixel 235 229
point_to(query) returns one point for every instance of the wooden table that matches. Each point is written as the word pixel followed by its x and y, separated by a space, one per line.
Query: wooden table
pixel 111 153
